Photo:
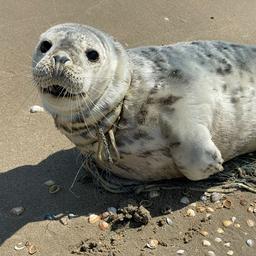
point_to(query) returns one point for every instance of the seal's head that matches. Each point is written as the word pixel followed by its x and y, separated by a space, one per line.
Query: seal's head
pixel 78 67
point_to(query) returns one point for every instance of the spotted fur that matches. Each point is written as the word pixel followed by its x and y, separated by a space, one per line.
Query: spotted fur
pixel 176 110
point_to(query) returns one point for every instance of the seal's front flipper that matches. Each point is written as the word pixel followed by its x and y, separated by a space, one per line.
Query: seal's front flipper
pixel 194 152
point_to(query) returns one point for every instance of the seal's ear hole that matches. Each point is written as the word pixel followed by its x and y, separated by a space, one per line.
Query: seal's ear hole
pixel 92 55
pixel 45 46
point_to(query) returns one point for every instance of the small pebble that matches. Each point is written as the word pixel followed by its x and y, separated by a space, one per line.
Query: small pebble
pixel 166 18
pixel 220 231
pixel 216 197
pixel 250 223
pixel 193 205
pixel 31 248
pixel 206 243
pixel 169 221
pixel 184 200
pixel 152 244
pixel 112 210
pixel 19 247
pixel 211 253
pixel 36 108
pixel 17 210
pixel 227 244
pixel 250 242
pixel 230 252
pixel 227 223
pixel 64 220
pixel 250 209
pixel 180 252
pixel 200 209
pixel 203 198
pixel 218 240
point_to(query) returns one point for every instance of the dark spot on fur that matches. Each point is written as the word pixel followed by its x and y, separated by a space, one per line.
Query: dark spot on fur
pixel 176 74
pixel 224 87
pixel 224 70
pixel 169 100
pixel 234 100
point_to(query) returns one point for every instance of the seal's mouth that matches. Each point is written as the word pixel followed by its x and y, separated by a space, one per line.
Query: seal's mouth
pixel 58 91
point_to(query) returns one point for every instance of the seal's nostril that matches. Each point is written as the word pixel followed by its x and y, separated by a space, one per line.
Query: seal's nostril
pixel 61 59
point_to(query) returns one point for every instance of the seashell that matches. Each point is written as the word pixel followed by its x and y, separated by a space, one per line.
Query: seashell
pixel 184 200
pixel 190 213
pixel 72 216
pixel 250 242
pixel 153 194
pixel 35 109
pixel 215 197
pixel 206 243
pixel 204 233
pixel 49 183
pixel 54 189
pixel 237 225
pixel 200 209
pixel 93 218
pixel 31 248
pixel 17 210
pixel 209 209
pixel 211 253
pixel 227 204
pixel 218 240
pixel 112 210
pixel 250 223
pixel 227 244
pixel 103 225
pixel 227 223
pixel 220 230
pixel 169 221
pixel 233 219
pixel 230 252
pixel 180 252
pixel 19 247
pixel 64 220
pixel 250 209
pixel 152 244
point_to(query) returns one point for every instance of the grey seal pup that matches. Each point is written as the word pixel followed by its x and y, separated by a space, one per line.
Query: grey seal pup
pixel 149 113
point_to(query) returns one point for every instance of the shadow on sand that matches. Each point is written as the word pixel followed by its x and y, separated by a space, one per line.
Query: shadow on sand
pixel 24 186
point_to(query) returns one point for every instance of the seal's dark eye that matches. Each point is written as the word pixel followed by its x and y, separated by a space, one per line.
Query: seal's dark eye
pixel 45 46
pixel 92 55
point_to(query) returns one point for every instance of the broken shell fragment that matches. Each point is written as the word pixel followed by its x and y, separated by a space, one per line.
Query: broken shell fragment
pixel 152 244
pixel 169 221
pixel 17 210
pixel 206 243
pixel 250 223
pixel 19 247
pixel 218 240
pixel 220 231
pixel 215 197
pixel 190 213
pixel 200 209
pixel 180 252
pixel 227 223
pixel 49 183
pixel 250 242
pixel 54 189
pixel 93 218
pixel 103 225
pixel 209 209
pixel 35 109
pixel 204 233
pixel 227 204
pixel 31 248
pixel 230 252
pixel 184 200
